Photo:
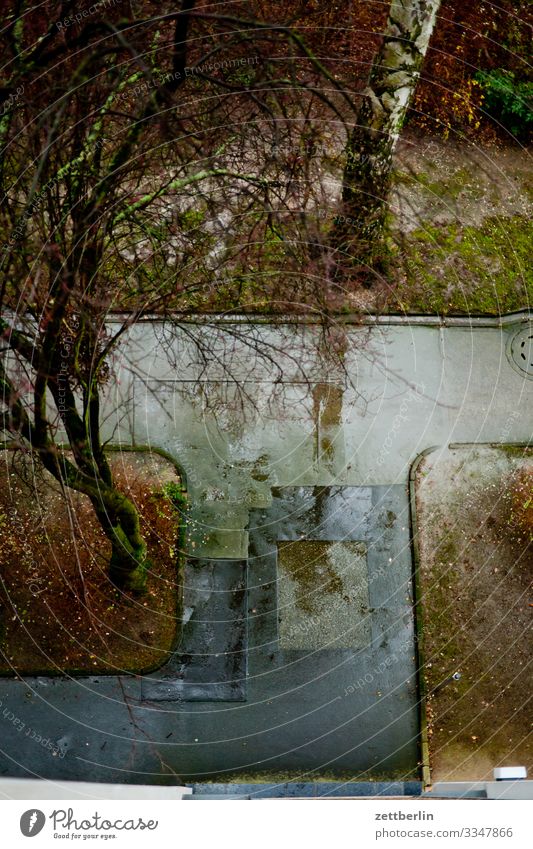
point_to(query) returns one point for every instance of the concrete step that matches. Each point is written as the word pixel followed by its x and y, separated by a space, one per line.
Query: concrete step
pixel 307 790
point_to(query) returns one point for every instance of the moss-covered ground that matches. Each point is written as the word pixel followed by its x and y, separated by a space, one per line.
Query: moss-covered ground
pixel 451 268
pixel 58 610
pixel 476 603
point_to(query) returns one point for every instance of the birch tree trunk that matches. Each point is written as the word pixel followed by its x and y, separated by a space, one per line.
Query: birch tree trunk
pixel 359 231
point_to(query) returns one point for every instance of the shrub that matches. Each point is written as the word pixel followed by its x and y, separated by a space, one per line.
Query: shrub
pixel 508 100
pixel 456 108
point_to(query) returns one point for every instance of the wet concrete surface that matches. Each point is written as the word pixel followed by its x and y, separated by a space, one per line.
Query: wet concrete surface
pixel 328 466
pixel 209 662
pixel 331 709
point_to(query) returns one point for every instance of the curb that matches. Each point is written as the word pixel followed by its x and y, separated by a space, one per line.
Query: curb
pixel 419 622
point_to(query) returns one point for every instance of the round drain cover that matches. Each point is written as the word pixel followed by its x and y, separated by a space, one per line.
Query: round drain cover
pixel 521 350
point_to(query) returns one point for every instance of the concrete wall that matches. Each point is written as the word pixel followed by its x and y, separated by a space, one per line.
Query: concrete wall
pixel 244 407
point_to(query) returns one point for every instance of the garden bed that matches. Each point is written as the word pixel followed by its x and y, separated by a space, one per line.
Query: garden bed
pixel 58 610
pixel 473 507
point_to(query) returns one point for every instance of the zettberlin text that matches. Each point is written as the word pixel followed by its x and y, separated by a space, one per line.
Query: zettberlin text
pixel 399 815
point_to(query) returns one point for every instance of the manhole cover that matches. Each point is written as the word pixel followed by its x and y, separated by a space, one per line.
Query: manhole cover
pixel 520 351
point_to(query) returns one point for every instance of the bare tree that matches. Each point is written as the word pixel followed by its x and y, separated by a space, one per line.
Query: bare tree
pixel 118 131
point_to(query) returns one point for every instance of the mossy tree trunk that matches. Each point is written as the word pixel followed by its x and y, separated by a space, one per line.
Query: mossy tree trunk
pixel 358 233
pixel 119 519
pixel 62 213
pixel 73 381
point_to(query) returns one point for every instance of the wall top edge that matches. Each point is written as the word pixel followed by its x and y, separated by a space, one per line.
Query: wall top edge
pixel 521 316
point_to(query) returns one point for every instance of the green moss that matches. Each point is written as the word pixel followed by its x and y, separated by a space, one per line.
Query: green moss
pixel 191 219
pixel 447 551
pixel 454 269
pixel 307 564
pixel 282 777
pixel 175 495
pixel 437 597
pixel 448 189
pixel 516 450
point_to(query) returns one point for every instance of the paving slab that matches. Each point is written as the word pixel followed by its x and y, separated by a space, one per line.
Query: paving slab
pixel 209 663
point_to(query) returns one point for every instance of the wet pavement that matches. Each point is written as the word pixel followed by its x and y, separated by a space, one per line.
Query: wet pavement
pixel 298 647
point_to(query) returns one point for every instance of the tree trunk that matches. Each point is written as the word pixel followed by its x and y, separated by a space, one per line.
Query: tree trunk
pixel 359 232
pixel 116 514
pixel 119 519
